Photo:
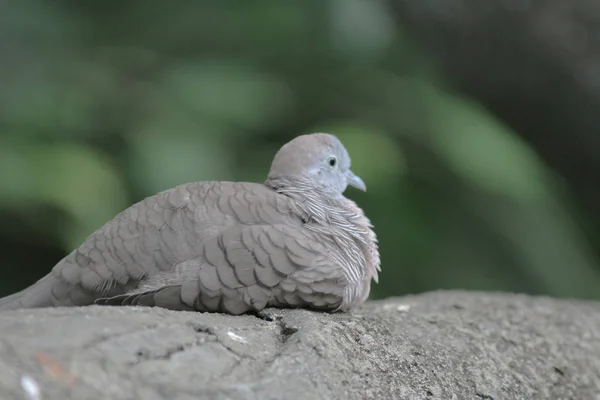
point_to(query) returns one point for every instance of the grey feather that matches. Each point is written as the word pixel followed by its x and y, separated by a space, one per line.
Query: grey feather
pixel 233 247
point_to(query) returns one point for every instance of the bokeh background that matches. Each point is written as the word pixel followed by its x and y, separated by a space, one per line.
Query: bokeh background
pixel 474 124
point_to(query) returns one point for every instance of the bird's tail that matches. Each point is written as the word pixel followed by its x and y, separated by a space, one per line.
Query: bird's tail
pixel 37 295
pixel 10 302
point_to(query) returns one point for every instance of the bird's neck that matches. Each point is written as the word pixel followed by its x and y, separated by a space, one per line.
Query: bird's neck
pixel 296 186
pixel 315 202
pixel 325 209
pixel 320 205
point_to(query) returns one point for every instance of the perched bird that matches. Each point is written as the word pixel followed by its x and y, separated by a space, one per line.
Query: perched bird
pixel 232 247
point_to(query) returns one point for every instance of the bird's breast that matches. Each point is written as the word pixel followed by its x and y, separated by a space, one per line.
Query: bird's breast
pixel 368 242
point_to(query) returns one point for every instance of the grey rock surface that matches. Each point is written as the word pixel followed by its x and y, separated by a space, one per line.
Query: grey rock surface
pixel 438 345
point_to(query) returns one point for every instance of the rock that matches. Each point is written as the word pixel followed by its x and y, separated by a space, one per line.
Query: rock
pixel 438 345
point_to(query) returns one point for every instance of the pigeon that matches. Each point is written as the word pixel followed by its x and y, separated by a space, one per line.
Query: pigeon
pixel 293 241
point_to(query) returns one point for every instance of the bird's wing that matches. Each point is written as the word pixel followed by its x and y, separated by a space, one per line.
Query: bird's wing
pixel 150 239
pixel 247 268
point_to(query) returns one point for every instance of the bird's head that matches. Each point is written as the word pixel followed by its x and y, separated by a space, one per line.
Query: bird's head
pixel 319 158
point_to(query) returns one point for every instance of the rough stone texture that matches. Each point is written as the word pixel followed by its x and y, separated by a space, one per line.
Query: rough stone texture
pixel 439 345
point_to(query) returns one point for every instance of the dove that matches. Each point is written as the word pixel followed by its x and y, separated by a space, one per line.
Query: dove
pixel 293 241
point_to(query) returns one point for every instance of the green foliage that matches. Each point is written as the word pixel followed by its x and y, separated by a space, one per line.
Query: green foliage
pixel 104 103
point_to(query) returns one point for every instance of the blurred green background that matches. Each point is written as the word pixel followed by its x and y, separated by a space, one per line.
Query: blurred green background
pixel 105 103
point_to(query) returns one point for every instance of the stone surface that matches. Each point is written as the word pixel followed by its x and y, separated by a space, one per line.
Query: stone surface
pixel 439 345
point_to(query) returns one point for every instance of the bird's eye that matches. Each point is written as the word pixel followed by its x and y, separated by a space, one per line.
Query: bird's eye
pixel 332 161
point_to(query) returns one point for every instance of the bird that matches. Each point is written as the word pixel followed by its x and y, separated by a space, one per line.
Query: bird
pixel 292 241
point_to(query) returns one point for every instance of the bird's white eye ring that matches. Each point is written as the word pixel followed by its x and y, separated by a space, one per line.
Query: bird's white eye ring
pixel 332 161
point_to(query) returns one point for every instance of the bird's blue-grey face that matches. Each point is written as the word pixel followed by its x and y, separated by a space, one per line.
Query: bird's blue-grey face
pixel 321 158
pixel 331 168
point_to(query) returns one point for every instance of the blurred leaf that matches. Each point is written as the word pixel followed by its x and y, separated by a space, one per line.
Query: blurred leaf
pixel 566 268
pixel 172 149
pixel 37 103
pixel 361 29
pixel 37 23
pixel 79 180
pixel 481 150
pixel 227 93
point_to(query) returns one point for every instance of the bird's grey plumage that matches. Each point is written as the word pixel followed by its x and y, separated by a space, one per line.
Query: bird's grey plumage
pixel 234 247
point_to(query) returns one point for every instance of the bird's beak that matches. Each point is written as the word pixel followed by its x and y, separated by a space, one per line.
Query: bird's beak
pixel 355 181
